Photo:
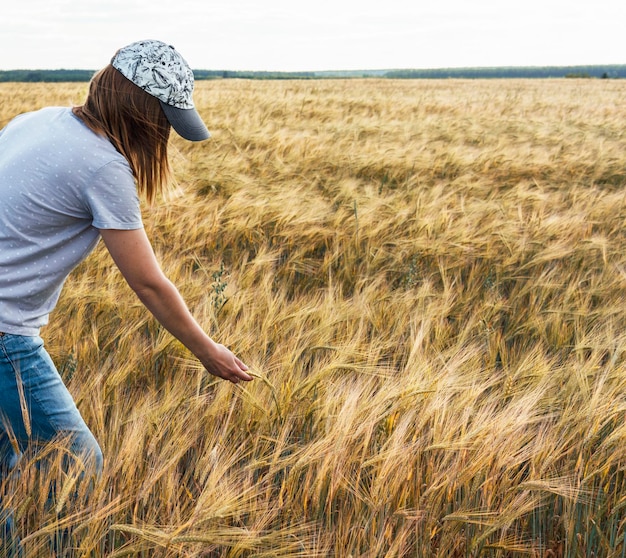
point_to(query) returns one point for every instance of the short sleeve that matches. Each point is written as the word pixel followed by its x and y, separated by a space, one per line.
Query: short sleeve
pixel 112 200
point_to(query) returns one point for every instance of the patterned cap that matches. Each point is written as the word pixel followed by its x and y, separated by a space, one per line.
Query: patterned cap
pixel 163 73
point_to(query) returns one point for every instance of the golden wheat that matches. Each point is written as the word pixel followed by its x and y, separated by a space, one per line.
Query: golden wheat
pixel 428 280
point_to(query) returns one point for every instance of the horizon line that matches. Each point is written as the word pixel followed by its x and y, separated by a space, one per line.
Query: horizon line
pixel 389 69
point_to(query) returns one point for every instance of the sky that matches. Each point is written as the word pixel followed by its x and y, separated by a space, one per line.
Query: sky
pixel 314 35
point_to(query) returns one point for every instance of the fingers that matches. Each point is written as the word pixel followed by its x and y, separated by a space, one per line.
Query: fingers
pixel 229 367
pixel 242 376
pixel 243 369
pixel 241 364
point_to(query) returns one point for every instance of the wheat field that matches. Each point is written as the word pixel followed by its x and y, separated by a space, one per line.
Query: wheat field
pixel 427 279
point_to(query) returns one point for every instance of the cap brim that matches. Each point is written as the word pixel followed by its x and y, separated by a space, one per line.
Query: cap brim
pixel 186 122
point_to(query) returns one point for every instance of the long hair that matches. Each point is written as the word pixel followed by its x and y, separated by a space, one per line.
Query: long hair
pixel 134 123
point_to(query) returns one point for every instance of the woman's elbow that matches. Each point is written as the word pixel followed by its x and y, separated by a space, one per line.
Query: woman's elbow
pixel 149 285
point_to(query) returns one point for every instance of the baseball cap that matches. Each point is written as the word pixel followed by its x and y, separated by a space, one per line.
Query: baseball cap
pixel 162 72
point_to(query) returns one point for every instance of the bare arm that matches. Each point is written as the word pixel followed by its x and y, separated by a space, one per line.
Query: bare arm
pixel 132 253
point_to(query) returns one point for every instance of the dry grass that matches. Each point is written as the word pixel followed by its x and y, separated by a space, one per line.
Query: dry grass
pixel 428 278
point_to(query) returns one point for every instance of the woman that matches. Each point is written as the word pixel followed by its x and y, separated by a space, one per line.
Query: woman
pixel 67 178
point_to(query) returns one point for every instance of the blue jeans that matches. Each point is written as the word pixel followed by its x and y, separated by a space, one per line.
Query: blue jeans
pixel 35 405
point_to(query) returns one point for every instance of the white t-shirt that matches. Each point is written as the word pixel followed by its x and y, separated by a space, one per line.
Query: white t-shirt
pixel 59 184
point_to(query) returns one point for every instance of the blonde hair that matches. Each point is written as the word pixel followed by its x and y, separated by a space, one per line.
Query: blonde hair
pixel 134 123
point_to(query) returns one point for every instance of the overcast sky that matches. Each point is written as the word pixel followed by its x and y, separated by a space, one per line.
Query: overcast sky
pixel 294 35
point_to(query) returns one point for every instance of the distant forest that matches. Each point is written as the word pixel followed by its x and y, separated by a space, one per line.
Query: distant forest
pixel 606 72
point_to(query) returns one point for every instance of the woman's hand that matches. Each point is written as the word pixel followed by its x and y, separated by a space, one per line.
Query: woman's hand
pixel 132 253
pixel 221 362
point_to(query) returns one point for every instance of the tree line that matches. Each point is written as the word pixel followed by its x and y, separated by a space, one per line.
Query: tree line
pixel 31 76
pixel 606 72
